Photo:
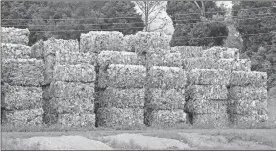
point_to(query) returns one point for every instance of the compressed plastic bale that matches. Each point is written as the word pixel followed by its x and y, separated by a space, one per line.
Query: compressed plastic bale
pixel 221 52
pixel 171 99
pixel 15 35
pixel 122 98
pixel 52 45
pixel 97 41
pixel 208 92
pixel 247 121
pixel 218 120
pixel 15 51
pixel 166 77
pixel 130 118
pixel 106 58
pixel 22 98
pixel 77 105
pixel 72 90
pixel 198 63
pixel 233 64
pixel 248 107
pixel 37 50
pixel 209 77
pixel 73 58
pixel 205 106
pixel 188 51
pixel 243 78
pixel 163 57
pixel 30 117
pixel 147 40
pixel 249 92
pixel 75 73
pixel 130 42
pixel 25 72
pixel 76 120
pixel 165 118
pixel 120 75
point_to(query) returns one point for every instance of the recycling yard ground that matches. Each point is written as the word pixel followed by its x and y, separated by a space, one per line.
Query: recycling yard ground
pixel 144 139
pixel 186 139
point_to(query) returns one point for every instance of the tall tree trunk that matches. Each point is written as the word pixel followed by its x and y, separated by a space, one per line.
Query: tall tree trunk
pixel 203 8
pixel 146 16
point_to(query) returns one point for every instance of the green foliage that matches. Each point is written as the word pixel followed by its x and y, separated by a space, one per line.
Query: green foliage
pixel 233 40
pixel 260 48
pixel 192 26
pixel 77 17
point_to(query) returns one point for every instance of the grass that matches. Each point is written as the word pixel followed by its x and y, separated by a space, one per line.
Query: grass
pixel 264 137
pixel 13 144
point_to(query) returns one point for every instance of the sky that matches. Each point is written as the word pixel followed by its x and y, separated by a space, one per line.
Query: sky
pixel 169 28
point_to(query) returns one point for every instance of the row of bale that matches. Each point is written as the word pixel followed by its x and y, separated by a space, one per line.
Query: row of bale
pixel 115 81
pixel 69 84
pixel 223 91
pixel 21 80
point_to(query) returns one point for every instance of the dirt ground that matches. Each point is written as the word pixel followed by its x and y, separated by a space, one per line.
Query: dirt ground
pixel 190 139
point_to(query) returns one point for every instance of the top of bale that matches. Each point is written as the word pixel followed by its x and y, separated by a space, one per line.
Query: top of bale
pixel 147 40
pixel 188 51
pixel 221 52
pixel 97 41
pixel 37 50
pixel 130 43
pixel 15 35
pixel 52 45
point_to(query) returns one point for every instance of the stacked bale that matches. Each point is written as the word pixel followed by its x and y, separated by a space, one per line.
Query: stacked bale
pixel 121 104
pixel 207 97
pixel 97 41
pixel 247 98
pixel 216 58
pixel 165 97
pixel 207 101
pixel 188 51
pixel 211 63
pixel 163 57
pixel 69 89
pixel 22 77
pixel 15 36
pixel 146 40
pixel 165 86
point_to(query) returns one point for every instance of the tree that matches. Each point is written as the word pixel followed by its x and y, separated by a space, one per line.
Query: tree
pixel 234 39
pixel 256 27
pixel 192 22
pixel 150 11
pixel 67 20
